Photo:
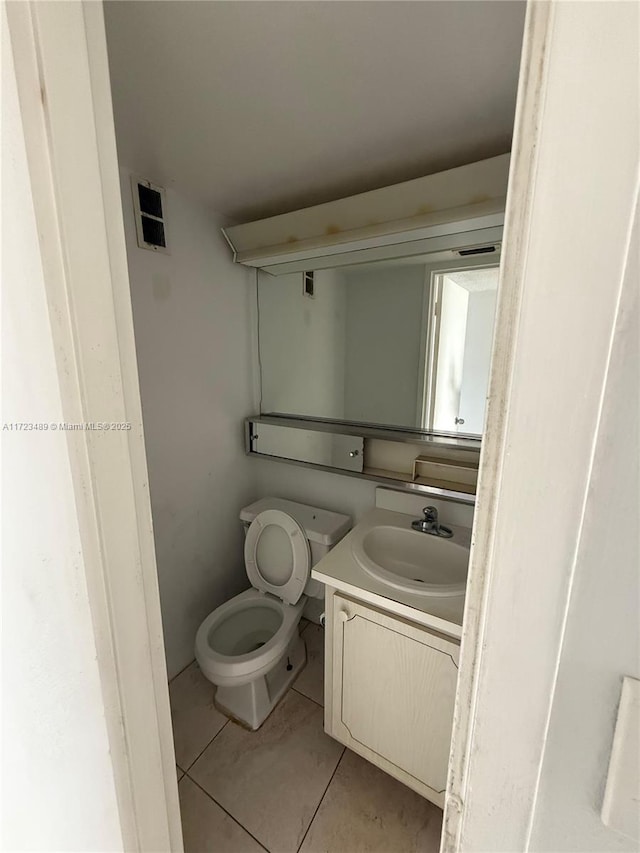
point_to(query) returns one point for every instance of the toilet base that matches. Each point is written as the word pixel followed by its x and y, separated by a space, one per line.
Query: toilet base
pixel 250 704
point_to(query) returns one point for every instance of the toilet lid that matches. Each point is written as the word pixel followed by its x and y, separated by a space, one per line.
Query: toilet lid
pixel 276 555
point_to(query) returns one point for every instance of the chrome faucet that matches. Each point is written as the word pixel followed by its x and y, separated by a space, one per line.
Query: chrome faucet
pixel 430 524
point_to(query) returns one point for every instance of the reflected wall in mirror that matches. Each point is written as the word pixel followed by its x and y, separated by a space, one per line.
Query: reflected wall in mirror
pixel 404 343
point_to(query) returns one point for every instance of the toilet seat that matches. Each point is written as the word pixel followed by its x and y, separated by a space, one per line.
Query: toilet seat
pixel 283 567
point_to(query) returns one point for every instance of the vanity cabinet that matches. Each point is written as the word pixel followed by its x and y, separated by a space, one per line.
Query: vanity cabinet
pixel 390 689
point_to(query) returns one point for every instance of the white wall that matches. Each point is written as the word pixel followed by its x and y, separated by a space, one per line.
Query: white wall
pixel 337 492
pixel 58 787
pixel 302 345
pixel 385 319
pixel 193 320
pixel 194 323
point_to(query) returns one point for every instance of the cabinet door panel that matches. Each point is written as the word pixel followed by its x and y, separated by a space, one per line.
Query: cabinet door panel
pixel 394 689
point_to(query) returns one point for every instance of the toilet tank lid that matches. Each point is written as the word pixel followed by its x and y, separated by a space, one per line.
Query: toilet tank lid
pixel 320 525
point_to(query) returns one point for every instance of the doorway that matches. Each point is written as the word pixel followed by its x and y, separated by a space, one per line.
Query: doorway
pixel 462 307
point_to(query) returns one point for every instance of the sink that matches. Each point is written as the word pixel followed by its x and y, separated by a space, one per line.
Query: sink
pixel 411 561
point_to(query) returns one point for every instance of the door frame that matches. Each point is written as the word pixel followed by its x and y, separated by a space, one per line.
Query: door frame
pixel 424 373
pixel 532 81
pixel 60 59
pixel 574 143
pixel 431 340
pixel 431 352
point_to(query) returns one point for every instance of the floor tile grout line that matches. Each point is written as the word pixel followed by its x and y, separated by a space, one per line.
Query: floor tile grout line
pixel 300 693
pixel 235 820
pixel 324 794
pixel 224 725
pixel 184 669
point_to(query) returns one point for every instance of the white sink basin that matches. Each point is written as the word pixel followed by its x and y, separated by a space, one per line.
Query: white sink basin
pixel 415 562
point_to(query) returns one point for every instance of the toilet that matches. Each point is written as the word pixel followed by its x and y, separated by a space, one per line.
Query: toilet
pixel 250 646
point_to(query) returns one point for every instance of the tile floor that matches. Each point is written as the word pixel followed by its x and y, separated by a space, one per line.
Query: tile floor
pixel 288 786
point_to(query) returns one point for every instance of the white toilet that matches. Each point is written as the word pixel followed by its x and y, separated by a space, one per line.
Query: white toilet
pixel 250 646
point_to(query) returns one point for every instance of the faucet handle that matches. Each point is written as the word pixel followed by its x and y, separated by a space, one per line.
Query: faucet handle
pixel 430 513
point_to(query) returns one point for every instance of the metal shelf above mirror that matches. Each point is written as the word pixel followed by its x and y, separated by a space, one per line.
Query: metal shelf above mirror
pixel 412 460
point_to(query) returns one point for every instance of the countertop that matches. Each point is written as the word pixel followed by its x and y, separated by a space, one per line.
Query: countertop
pixel 340 570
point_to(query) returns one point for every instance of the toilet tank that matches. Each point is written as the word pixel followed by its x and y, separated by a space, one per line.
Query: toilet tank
pixel 322 527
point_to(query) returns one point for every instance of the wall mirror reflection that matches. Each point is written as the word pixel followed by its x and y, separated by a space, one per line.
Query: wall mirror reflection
pixel 399 343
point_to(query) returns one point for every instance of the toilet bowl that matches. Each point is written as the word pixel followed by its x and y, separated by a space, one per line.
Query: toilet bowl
pixel 250 646
pixel 242 639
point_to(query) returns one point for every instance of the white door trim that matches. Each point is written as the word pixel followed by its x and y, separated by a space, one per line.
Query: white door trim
pixel 425 339
pixel 530 102
pixel 569 211
pixel 65 100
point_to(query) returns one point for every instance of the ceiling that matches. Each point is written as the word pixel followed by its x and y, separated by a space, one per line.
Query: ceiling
pixel 259 108
pixel 476 281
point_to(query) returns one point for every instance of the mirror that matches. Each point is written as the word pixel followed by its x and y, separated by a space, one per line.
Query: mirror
pixel 397 343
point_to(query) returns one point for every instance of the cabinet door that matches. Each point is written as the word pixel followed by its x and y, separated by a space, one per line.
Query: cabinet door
pixel 331 450
pixel 393 691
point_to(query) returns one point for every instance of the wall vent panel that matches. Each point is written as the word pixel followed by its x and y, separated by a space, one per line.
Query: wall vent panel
pixel 150 214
